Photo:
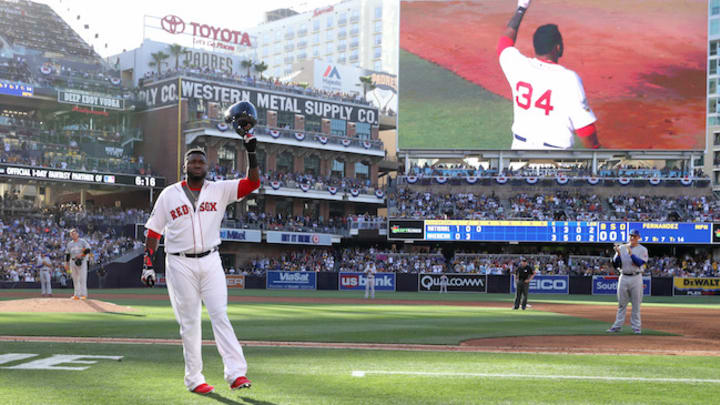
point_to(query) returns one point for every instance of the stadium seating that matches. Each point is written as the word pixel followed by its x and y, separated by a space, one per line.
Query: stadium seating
pixel 36 26
pixel 562 205
pixel 24 236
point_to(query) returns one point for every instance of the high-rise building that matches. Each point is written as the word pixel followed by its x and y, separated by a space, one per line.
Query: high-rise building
pixel 712 157
pixel 361 33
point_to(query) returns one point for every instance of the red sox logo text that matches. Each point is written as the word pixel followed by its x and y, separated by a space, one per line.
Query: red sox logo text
pixel 185 210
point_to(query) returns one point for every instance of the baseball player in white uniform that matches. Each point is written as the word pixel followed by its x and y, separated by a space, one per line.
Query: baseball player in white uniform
pixel 630 258
pixel 443 283
pixel 189 214
pixel 77 254
pixel 44 266
pixel 549 102
pixel 370 271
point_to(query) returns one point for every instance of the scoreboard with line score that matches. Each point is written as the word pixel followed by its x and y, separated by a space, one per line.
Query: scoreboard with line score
pixel 556 231
pixel 525 231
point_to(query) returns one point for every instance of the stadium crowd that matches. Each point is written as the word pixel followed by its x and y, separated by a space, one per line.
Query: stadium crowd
pixel 36 26
pixel 25 237
pixel 560 205
pixel 405 203
pixel 30 142
pixel 355 259
pixel 548 170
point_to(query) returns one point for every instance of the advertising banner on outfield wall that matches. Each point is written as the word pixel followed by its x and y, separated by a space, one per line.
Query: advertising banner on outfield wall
pixel 160 279
pixel 291 280
pixel 607 285
pixel 165 93
pixel 357 281
pixel 240 235
pixel 541 284
pixel 235 280
pixel 696 286
pixel 299 238
pixel 456 282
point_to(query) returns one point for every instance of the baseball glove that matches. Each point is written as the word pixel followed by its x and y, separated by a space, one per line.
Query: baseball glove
pixel 78 261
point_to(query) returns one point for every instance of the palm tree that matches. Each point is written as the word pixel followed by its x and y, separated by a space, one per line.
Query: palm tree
pixel 158 59
pixel 247 64
pixel 367 84
pixel 260 68
pixel 176 50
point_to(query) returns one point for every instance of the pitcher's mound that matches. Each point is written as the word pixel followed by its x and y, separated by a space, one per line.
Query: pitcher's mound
pixel 61 305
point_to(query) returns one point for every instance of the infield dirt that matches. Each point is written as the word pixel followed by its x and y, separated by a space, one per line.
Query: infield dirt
pixel 697 328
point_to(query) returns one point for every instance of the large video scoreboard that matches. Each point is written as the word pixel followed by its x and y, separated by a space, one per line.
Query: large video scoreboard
pixel 550 231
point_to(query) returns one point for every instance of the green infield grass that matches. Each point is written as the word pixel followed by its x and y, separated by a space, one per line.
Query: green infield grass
pixel 152 374
pixel 440 110
pixel 365 322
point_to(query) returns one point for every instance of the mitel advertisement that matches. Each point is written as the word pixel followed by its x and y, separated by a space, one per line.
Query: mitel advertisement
pixel 607 285
pixel 456 282
pixel 357 281
pixel 541 284
pixel 291 280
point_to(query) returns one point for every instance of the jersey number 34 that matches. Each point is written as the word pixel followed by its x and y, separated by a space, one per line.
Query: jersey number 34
pixel 525 94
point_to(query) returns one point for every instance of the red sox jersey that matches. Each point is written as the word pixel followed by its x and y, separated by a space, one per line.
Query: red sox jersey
pixel 549 101
pixel 195 229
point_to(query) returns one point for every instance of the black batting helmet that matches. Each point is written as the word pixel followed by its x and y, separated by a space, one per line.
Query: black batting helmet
pixel 240 114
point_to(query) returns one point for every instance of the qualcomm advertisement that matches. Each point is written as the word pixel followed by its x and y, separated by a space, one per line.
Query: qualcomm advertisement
pixel 541 284
pixel 456 282
pixel 607 285
pixel 357 281
pixel 291 280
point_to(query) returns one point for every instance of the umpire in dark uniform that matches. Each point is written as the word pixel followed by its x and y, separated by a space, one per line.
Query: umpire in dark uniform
pixel 523 274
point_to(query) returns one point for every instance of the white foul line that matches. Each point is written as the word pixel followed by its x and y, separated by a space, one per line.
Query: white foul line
pixel 360 373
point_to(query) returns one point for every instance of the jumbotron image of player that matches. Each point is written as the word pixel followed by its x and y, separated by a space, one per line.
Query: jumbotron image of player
pixel 549 103
pixel 189 213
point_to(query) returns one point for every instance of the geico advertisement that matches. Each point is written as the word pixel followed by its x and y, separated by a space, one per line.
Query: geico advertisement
pixel 456 282
pixel 696 286
pixel 607 285
pixel 235 280
pixel 545 284
pixel 291 280
pixel 357 281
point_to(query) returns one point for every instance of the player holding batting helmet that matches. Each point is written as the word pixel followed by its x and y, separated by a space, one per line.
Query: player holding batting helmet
pixel 241 114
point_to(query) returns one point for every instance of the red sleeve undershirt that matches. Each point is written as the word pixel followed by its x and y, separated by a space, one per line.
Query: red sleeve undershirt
pixel 503 43
pixel 586 131
pixel 153 235
pixel 246 186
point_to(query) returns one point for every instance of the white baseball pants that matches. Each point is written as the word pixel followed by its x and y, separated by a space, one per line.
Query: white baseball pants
pixel 191 282
pixel 370 287
pixel 45 282
pixel 79 277
pixel 630 290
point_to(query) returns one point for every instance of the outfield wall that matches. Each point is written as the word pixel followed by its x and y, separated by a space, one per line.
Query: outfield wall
pixel 128 276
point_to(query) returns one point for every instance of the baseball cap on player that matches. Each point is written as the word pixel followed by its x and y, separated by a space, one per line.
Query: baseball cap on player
pixel 634 232
pixel 195 150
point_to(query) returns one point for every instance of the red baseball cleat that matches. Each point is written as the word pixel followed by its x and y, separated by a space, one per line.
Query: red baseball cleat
pixel 203 389
pixel 241 382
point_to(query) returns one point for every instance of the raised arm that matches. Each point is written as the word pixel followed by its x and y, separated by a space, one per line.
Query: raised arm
pixel 511 30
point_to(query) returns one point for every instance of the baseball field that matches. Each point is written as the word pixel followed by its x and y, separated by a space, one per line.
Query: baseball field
pixel 329 347
pixel 643 65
